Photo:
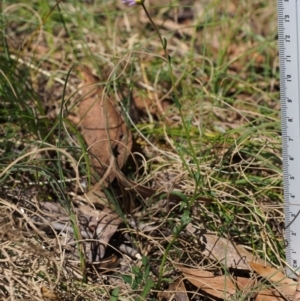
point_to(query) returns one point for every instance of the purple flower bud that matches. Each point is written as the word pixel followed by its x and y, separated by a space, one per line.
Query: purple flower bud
pixel 132 2
pixel 129 2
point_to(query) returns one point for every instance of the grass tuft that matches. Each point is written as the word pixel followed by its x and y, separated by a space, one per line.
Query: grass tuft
pixel 205 123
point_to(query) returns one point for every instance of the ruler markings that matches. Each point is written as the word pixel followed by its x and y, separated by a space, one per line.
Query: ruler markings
pixel 289 54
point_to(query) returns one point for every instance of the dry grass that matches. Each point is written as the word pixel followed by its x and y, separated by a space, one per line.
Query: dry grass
pixel 226 147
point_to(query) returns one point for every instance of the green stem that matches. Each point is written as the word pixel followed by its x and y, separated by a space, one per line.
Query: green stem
pixel 164 259
pixel 185 127
pixel 186 130
pixel 157 31
pixel 78 238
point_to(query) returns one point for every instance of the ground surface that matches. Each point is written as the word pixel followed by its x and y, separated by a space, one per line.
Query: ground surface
pixel 195 136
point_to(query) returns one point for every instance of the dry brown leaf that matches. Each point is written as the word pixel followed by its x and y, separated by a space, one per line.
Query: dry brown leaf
pixel 219 286
pixel 102 224
pixel 284 285
pixel 49 295
pixel 227 252
pixel 269 295
pixel 297 293
pixel 176 291
pixel 108 139
pixel 96 227
pixel 142 103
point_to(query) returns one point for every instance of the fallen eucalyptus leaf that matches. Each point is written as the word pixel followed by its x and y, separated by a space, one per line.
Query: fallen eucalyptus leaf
pixel 227 252
pixel 108 139
pixel 297 293
pixel 222 287
pixel 284 285
pixel 269 295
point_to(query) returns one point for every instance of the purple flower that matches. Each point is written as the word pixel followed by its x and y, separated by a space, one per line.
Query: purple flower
pixel 132 2
pixel 129 2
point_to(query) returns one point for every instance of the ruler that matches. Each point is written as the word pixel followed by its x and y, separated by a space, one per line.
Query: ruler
pixel 289 55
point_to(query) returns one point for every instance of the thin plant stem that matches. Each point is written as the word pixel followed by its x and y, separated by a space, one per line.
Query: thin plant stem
pixel 157 31
pixel 186 130
pixel 168 58
pixel 164 259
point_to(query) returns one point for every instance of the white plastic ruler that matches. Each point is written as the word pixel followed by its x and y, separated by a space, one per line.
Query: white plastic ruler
pixel 289 54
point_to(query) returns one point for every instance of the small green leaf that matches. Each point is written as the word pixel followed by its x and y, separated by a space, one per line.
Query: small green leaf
pixel 115 294
pixel 185 218
pixel 175 230
pixel 165 43
pixel 145 260
pixel 136 270
pixel 147 272
pixel 148 285
pixel 127 279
